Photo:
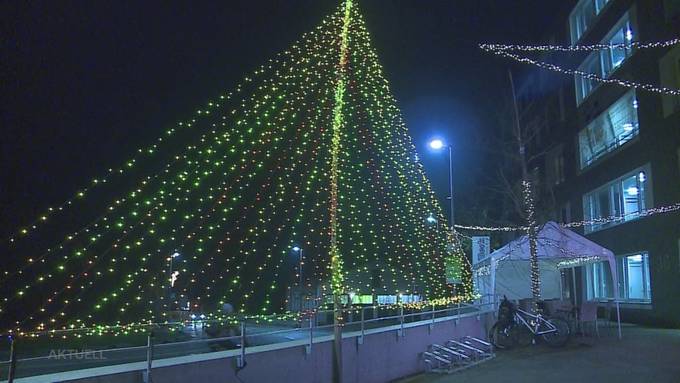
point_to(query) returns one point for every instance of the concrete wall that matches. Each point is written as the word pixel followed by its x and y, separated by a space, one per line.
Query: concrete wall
pixel 383 356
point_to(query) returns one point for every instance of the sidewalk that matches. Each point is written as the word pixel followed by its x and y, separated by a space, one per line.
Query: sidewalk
pixel 643 355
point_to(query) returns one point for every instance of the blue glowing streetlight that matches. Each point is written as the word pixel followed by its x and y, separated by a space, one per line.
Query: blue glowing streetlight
pixel 436 144
pixel 439 144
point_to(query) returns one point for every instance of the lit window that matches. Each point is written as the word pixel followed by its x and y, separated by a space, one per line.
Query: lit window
pixel 617 202
pixel 634 281
pixel 610 130
pixel 598 281
pixel 604 62
pixel 583 16
pixel 613 58
pixel 634 278
pixel 585 86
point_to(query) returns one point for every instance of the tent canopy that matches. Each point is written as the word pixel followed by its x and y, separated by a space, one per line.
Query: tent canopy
pixel 506 271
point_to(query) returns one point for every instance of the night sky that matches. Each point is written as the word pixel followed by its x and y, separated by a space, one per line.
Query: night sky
pixel 87 83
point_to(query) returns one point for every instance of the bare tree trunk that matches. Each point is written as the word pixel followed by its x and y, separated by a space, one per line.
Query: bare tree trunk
pixel 528 205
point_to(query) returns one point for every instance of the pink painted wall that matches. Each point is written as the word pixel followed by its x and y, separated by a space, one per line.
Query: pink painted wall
pixel 381 358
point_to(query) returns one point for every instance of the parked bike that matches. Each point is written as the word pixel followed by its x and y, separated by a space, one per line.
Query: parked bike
pixel 516 326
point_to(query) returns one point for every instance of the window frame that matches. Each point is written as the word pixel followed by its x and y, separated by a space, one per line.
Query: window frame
pixel 603 286
pixel 598 6
pixel 625 20
pixel 622 272
pixel 605 282
pixel 647 200
pixel 616 145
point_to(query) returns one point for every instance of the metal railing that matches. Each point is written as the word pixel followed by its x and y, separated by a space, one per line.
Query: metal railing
pixel 209 336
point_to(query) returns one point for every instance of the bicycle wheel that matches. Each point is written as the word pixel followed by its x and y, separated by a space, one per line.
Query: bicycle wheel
pixel 501 336
pixel 523 336
pixel 560 336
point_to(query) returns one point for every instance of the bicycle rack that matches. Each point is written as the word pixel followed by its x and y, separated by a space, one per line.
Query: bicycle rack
pixel 457 354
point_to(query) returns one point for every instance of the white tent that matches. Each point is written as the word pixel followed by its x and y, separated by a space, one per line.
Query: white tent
pixel 506 271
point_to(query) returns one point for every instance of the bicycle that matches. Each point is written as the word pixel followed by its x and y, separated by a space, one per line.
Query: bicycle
pixel 515 326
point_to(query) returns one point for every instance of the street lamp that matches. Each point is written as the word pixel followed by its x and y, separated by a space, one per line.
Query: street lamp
pixel 298 249
pixel 438 144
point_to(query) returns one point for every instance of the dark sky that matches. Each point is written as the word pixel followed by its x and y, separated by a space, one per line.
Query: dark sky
pixel 87 83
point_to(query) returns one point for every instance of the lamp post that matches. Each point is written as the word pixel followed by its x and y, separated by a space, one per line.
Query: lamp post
pixel 438 144
pixel 298 249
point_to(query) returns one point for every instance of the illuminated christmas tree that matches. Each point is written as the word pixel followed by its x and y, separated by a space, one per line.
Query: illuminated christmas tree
pixel 309 152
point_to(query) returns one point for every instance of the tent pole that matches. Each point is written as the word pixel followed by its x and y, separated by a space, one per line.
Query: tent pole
pixel 573 284
pixel 618 317
pixel 561 287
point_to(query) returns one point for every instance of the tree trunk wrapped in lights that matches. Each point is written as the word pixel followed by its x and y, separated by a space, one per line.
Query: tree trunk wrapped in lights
pixel 532 232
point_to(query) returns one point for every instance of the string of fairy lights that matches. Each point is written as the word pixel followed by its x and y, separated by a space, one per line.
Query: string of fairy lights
pixel 310 150
pixel 314 131
pixel 532 232
pixel 587 222
pixel 216 319
pixel 580 48
pixel 506 50
pixel 208 149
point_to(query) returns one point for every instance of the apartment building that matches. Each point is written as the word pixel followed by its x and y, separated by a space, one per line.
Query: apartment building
pixel 614 151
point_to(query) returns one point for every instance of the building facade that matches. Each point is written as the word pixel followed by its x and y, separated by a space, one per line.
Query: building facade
pixel 614 152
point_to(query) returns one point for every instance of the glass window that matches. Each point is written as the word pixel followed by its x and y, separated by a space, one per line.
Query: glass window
pixel 613 58
pixel 598 281
pixel 634 277
pixel 610 130
pixel 583 17
pixel 585 86
pixel 623 198
pixel 634 280
pixel 604 62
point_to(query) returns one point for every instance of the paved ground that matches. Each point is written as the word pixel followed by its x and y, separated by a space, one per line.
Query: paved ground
pixel 644 355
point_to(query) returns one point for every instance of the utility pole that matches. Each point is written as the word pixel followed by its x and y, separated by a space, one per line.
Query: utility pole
pixel 453 233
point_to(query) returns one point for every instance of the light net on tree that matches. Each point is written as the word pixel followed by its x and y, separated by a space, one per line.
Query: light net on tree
pixel 232 190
